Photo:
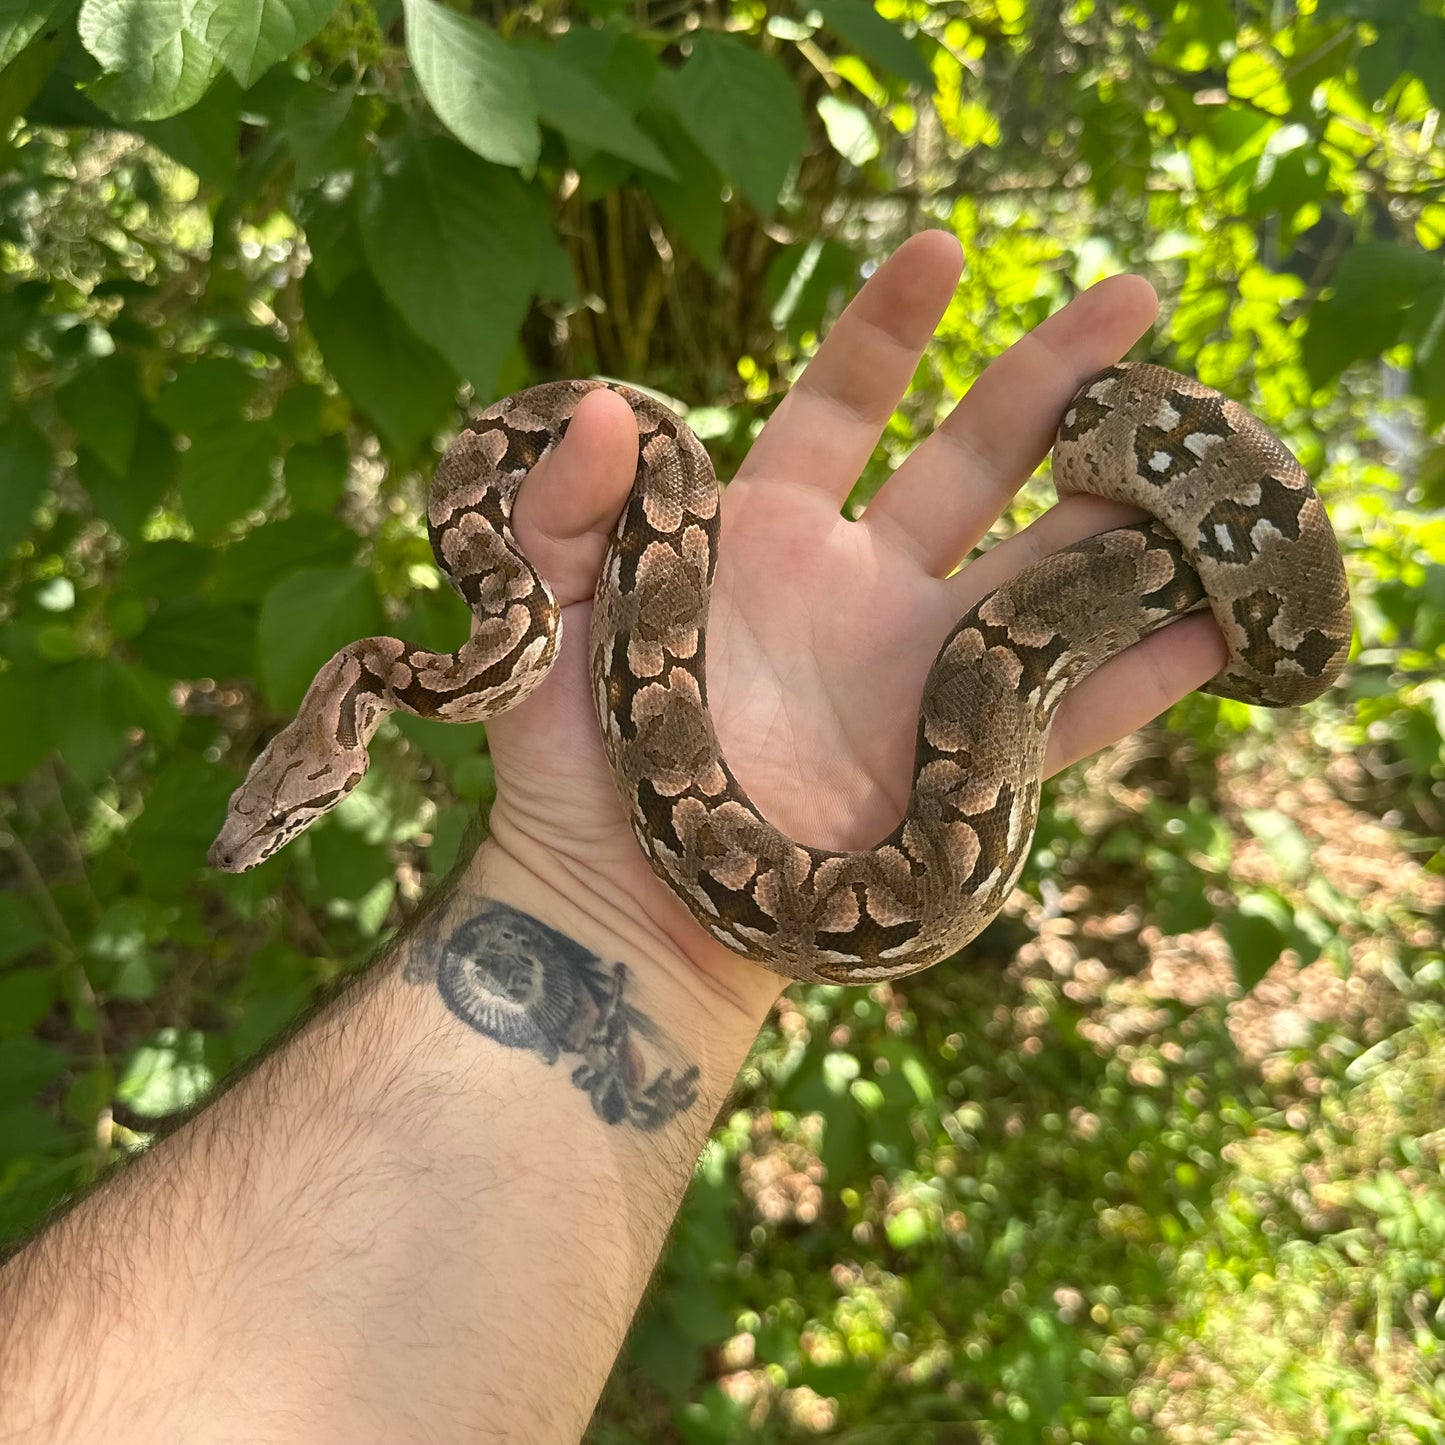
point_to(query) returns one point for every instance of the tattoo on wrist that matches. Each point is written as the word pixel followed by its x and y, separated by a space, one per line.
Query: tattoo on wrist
pixel 527 986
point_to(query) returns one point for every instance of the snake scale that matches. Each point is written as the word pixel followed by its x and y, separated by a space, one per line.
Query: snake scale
pixel 1236 526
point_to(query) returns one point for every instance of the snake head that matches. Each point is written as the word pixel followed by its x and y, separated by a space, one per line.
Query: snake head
pixel 290 785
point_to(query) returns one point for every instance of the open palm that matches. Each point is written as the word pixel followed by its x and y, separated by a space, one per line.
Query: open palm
pixel 822 630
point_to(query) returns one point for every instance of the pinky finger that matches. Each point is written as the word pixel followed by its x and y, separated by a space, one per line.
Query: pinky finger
pixel 1134 688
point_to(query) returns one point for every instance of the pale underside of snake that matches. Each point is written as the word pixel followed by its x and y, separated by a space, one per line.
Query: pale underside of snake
pixel 1239 529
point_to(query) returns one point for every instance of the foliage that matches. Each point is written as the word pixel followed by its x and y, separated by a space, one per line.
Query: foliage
pixel 258 259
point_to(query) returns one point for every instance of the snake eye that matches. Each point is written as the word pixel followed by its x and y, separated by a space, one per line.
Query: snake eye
pixel 276 820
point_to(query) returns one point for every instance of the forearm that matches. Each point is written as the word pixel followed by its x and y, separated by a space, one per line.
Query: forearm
pixel 429 1216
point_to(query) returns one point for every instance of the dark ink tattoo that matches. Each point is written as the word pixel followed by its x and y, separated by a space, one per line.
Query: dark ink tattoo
pixel 527 986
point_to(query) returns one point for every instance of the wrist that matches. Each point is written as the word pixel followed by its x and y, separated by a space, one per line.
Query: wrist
pixel 618 909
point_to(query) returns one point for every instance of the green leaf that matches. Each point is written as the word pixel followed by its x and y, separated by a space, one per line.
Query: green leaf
pixel 571 103
pixel 205 137
pixel 21 930
pixel 155 65
pixel 907 1228
pixel 123 945
pixel 1179 902
pixel 144 698
pixel 26 996
pixel 1333 340
pixel 96 701
pixel 315 130
pixel 28 1065
pixel 248 570
pixel 299 414
pixel 183 811
pixel 332 235
pixel 453 242
pixel 214 389
pixel 369 913
pixel 265 1015
pixel 447 835
pixel 137 978
pixel 437 619
pixel 692 204
pixel 1431 479
pixel 474 778
pixel 1291 850
pixel 1427 59
pixel 616 61
pixel 24 77
pixel 103 403
pixel 474 83
pixel 387 806
pixel 91 1091
pixel 168 568
pixel 347 866
pixel 24 476
pixel 1256 941
pixel 186 638
pixel 250 36
pixel 821 1085
pixel 805 279
pixel 850 132
pixel 225 473
pixel 743 110
pixel 27 1133
pixel 305 619
pixel 316 475
pixel 261 166
pixel 1290 173
pixel 25 729
pixel 1373 291
pixel 665 1355
pixel 393 376
pixel 698 1314
pixel 165 1075
pixel 715 1419
pixel 875 39
pixel 22 20
pixel 125 499
pixel 1376 276
pixel 838 1379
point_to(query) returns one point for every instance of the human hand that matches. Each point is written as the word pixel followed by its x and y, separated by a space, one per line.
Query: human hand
pixel 823 629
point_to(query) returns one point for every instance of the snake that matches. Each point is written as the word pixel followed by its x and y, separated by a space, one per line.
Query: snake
pixel 1233 525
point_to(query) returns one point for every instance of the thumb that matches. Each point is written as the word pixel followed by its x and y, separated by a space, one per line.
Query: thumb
pixel 569 504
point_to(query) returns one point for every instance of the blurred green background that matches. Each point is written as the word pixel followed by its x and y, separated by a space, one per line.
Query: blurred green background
pixel 1160 1158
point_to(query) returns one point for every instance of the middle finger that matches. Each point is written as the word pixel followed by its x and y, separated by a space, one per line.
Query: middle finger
pixel 947 495
pixel 826 427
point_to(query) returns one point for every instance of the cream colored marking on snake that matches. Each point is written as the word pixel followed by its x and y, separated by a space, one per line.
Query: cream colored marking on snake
pixel 1239 528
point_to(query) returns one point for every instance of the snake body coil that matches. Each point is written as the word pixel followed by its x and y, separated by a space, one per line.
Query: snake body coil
pixel 1239 528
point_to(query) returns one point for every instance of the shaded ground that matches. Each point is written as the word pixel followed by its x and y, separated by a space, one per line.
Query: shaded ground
pixel 1257 1172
